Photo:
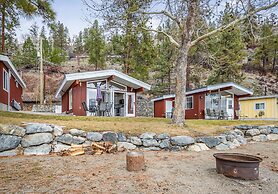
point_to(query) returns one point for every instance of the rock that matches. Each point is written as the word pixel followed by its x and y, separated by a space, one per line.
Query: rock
pixel 12 130
pixel 252 132
pixel 261 137
pixel 78 140
pixel 13 152
pixel 243 127
pixel 164 144
pixel 182 140
pixel 57 131
pixel 9 142
pixel 241 140
pixel 239 132
pixel 36 139
pixel 272 137
pixel 77 132
pixel 152 149
pixel 163 136
pixel 150 143
pixel 175 148
pixel 65 138
pixel 147 135
pixel 87 143
pixel 60 147
pixel 198 147
pixel 38 150
pixel 110 136
pixel 38 128
pixel 136 141
pixel 121 137
pixel 265 131
pixel 230 137
pixel 274 130
pixel 209 141
pixel 222 146
pixel 94 136
pixel 236 143
pixel 122 146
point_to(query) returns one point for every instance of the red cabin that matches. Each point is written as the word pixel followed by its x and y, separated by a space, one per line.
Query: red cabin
pixel 11 86
pixel 220 101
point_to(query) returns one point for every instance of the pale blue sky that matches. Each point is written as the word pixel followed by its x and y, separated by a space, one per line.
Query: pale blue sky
pixel 70 12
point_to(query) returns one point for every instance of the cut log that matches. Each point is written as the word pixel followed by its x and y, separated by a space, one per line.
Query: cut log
pixel 135 161
pixel 77 153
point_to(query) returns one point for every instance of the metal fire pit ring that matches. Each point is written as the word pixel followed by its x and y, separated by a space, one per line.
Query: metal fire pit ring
pixel 236 165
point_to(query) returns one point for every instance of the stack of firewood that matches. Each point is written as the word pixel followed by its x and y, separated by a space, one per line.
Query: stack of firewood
pixel 93 149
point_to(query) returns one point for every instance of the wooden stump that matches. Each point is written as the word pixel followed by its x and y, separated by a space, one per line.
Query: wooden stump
pixel 135 161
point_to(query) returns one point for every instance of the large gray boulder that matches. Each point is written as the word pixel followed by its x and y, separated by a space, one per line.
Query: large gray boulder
pixel 38 150
pixel 13 152
pixel 12 130
pixel 152 149
pixel 57 131
pixel 60 147
pixel 77 132
pixel 147 135
pixel 150 143
pixel 197 147
pixel 274 130
pixel 163 136
pixel 121 137
pixel 65 138
pixel 222 147
pixel 38 128
pixel 209 141
pixel 272 137
pixel 110 136
pixel 78 140
pixel 36 139
pixel 94 136
pixel 182 140
pixel 259 138
pixel 135 140
pixel 9 142
pixel 252 132
pixel 122 146
pixel 165 144
pixel 265 131
pixel 243 127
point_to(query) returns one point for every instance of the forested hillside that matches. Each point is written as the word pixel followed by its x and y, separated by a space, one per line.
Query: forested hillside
pixel 245 53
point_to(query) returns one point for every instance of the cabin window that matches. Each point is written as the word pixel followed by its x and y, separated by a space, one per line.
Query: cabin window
pixel 260 106
pixel 70 99
pixel 5 80
pixel 189 102
pixel 16 84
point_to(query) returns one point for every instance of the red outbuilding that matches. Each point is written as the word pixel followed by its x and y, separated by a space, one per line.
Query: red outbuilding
pixel 100 93
pixel 11 86
pixel 220 101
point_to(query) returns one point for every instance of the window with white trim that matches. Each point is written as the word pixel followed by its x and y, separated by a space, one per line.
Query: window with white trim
pixel 260 106
pixel 16 84
pixel 189 102
pixel 5 80
pixel 70 99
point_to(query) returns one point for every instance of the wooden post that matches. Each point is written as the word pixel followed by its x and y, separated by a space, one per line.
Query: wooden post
pixel 41 75
pixel 135 161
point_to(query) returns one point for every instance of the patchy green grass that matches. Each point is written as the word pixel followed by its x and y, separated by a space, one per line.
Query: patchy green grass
pixel 136 125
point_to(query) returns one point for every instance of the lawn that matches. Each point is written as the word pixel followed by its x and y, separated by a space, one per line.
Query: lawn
pixel 130 125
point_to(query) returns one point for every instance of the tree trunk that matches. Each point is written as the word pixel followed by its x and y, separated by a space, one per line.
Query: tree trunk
pixel 274 61
pixel 181 68
pixel 3 29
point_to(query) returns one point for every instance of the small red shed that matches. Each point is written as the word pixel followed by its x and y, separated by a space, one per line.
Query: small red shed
pixel 11 86
pixel 210 102
pixel 108 91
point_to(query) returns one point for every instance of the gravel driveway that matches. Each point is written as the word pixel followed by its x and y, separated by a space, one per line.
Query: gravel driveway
pixel 167 172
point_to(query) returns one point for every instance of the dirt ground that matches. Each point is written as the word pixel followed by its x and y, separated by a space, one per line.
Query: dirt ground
pixel 167 172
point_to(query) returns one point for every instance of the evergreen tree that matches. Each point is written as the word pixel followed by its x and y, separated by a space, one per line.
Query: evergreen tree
pixel 28 55
pixel 95 44
pixel 228 53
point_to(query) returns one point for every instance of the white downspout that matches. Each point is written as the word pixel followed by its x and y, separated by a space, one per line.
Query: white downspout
pixel 9 90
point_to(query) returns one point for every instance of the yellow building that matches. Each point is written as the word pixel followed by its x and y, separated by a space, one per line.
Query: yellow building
pixel 259 107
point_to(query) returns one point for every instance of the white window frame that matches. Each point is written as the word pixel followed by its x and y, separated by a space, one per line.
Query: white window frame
pixel 16 84
pixel 260 103
pixel 186 102
pixel 7 80
pixel 70 99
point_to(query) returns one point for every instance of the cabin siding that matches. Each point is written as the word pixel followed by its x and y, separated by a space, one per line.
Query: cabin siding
pixel 247 108
pixel 79 94
pixel 15 92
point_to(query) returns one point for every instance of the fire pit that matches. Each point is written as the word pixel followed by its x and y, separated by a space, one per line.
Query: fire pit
pixel 237 165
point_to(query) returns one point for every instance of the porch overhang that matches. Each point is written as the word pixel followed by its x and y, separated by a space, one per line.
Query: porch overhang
pixel 114 75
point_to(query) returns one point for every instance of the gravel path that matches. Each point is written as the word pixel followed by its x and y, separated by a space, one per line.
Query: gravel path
pixel 167 172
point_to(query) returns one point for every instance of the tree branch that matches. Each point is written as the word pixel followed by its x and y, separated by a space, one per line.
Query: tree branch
pixel 172 40
pixel 222 28
pixel 169 15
